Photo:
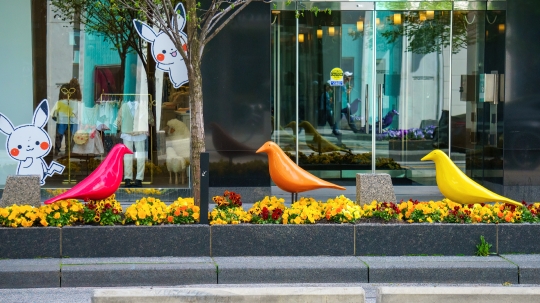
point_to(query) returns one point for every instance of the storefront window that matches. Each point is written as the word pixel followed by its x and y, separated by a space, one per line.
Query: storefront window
pixel 102 93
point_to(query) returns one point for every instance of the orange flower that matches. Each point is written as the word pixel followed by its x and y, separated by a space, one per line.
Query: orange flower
pixel 170 219
pixel 500 215
pixel 185 214
pixel 508 219
pixel 177 212
pixel 183 207
pixel 339 210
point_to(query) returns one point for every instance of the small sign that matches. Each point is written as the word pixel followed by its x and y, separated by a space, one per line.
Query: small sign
pixel 336 77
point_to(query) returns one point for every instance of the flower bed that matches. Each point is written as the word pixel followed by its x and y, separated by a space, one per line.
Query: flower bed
pixel 337 227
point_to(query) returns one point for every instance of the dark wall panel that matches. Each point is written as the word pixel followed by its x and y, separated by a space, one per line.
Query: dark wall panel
pixel 522 106
pixel 236 88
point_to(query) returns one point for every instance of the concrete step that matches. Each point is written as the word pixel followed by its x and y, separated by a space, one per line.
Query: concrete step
pixel 173 271
pixel 232 295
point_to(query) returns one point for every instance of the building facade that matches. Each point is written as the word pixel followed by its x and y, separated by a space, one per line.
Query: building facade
pixel 359 87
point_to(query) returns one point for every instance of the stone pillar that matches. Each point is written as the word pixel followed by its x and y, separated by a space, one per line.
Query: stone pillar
pixel 371 187
pixel 21 190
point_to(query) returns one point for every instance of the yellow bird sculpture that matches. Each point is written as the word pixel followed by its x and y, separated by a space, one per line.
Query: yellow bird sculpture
pixel 317 143
pixel 456 186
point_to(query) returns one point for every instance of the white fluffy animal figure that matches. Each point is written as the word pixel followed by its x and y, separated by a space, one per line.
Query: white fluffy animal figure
pixel 178 148
pixel 175 164
pixel 29 143
pixel 164 51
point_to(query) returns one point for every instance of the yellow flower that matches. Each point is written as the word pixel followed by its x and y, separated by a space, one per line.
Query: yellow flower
pixel 57 216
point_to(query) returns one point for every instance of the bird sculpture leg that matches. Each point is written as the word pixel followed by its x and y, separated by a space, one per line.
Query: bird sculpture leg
pixel 175 178
pixel 170 177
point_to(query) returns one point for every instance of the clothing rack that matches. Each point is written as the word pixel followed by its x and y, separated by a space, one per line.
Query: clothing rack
pixel 119 98
pixel 122 97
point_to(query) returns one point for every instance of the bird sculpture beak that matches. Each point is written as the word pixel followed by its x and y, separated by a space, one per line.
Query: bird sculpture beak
pixel 427 157
pixel 262 149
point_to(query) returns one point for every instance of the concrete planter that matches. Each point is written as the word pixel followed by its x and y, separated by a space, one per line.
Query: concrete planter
pixel 283 240
pixel 422 239
pixel 135 241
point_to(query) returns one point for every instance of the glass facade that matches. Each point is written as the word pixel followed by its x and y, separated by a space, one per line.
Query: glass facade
pixel 414 79
pixel 455 75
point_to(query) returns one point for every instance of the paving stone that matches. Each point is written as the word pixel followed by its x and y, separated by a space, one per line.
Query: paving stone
pixel 529 267
pixel 282 240
pixel 422 239
pixel 477 294
pixel 231 295
pixel 518 238
pixel 371 187
pixel 29 242
pixel 238 270
pixel 21 190
pixel 136 241
pixel 421 269
pixel 111 272
pixel 29 273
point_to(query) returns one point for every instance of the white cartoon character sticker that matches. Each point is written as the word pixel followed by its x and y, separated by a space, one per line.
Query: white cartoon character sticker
pixel 164 51
pixel 29 143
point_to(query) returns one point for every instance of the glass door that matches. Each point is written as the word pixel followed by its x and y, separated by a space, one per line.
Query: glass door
pixel 322 87
pixel 412 79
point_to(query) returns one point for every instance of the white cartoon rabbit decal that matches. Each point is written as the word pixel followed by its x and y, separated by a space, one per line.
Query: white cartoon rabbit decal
pixel 29 143
pixel 167 57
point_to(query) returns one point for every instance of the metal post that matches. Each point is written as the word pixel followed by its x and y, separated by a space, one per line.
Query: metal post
pixel 205 182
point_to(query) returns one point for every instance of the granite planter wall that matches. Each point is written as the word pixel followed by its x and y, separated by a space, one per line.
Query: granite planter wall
pixel 283 240
pixel 518 238
pixel 422 239
pixel 136 241
pixel 265 240
pixel 30 242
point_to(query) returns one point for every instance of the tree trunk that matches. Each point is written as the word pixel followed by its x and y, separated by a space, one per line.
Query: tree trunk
pixel 197 128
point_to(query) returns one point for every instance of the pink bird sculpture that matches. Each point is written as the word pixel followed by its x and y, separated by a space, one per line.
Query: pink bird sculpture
pixel 287 175
pixel 102 182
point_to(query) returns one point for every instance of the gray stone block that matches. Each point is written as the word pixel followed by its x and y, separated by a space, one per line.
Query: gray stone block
pixel 250 270
pixel 519 238
pixel 231 295
pixel 29 273
pixel 136 241
pixel 529 267
pixel 104 272
pixel 29 242
pixel 441 270
pixel 282 240
pixel 476 294
pixel 422 239
pixel 21 190
pixel 371 187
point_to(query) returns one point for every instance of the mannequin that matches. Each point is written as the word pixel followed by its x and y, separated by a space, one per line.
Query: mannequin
pixel 65 113
pixel 133 123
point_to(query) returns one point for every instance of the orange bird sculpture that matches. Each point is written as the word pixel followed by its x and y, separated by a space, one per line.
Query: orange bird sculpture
pixel 287 175
pixel 102 182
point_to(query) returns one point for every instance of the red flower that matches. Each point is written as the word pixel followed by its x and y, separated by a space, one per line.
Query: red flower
pixel 107 206
pixel 264 213
pixel 115 211
pixel 276 213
